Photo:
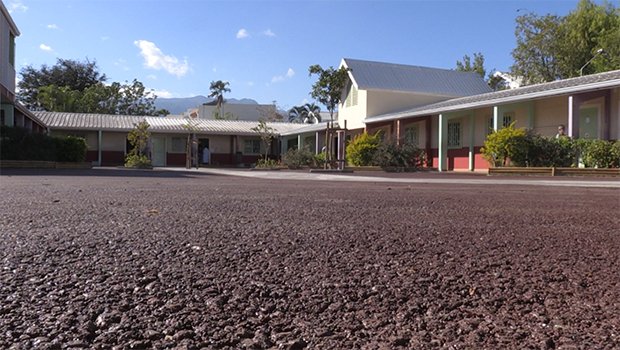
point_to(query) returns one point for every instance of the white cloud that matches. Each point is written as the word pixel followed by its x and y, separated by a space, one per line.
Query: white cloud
pixel 280 78
pixel 214 70
pixel 155 59
pixel 242 33
pixel 164 94
pixel 17 6
pixel 268 32
pixel 152 76
pixel 52 26
pixel 104 38
pixel 45 47
pixel 304 101
pixel 250 83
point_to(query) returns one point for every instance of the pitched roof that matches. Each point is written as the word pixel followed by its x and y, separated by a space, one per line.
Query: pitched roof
pixel 124 123
pixel 532 92
pixel 368 75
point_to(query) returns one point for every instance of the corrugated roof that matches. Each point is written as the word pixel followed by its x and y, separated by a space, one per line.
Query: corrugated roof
pixel 399 77
pixel 532 92
pixel 124 123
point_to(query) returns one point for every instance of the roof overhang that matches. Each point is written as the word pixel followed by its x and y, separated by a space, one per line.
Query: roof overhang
pixel 6 14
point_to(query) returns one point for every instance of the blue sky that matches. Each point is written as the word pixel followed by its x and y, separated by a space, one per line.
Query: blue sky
pixel 262 48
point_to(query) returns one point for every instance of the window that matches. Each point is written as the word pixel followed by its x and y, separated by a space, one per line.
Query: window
pixel 508 119
pixel 12 49
pixel 351 95
pixel 490 128
pixel 454 134
pixel 178 144
pixel 251 146
pixel 411 134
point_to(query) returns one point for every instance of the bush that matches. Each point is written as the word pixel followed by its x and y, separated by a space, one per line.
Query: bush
pixel 266 163
pixel 506 145
pixel 391 154
pixel 137 160
pixel 295 159
pixel 318 160
pixel 599 153
pixel 70 149
pixel 362 148
pixel 19 143
pixel 544 151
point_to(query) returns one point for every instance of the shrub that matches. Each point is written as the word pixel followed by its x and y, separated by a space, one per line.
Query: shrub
pixel 295 159
pixel 268 163
pixel 506 145
pixel 318 160
pixel 544 151
pixel 70 149
pixel 362 148
pixel 138 138
pixel 599 153
pixel 19 143
pixel 391 154
pixel 137 160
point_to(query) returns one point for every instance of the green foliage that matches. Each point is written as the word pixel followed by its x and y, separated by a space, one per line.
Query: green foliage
pixel 266 163
pixel 72 74
pixel 76 87
pixel 599 153
pixel 70 149
pixel 318 160
pixel 296 158
pixel 544 151
pixel 506 144
pixel 137 160
pixel 552 47
pixel 267 133
pixel 361 149
pixel 21 144
pixel 328 89
pixel 138 139
pixel 227 116
pixel 391 154
pixel 218 88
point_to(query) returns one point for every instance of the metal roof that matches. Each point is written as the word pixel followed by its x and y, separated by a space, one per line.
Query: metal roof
pixel 532 92
pixel 368 75
pixel 307 128
pixel 124 123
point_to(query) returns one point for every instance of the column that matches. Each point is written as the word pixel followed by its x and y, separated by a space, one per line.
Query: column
pixel 443 143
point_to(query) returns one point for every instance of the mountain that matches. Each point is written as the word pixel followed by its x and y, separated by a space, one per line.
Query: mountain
pixel 180 105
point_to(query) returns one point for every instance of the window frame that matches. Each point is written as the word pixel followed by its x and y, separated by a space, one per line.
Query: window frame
pixel 450 138
pixel 253 144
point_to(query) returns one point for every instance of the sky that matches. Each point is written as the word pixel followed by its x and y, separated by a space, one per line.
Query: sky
pixel 263 48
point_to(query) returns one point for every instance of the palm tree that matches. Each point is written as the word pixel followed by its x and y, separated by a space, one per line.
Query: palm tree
pixel 296 114
pixel 218 88
pixel 312 113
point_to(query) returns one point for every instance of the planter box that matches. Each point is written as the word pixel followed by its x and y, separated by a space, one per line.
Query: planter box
pixel 555 171
pixel 43 164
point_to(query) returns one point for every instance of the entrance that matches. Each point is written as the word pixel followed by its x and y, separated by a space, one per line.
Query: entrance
pixel 204 151
pixel 158 145
pixel 588 123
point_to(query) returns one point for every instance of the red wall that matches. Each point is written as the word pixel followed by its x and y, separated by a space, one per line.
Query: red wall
pixel 112 157
pixel 459 159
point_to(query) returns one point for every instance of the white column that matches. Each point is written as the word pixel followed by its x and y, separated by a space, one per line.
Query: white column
pixel 471 141
pixel 443 143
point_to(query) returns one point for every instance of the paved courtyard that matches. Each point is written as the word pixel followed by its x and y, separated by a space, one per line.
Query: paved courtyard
pixel 228 259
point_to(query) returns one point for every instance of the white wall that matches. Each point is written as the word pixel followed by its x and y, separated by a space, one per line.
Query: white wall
pixel 242 111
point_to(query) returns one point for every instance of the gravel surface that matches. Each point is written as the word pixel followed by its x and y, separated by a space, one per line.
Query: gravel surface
pixel 175 260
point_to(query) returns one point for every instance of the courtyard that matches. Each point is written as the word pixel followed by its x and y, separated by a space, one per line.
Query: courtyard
pixel 103 258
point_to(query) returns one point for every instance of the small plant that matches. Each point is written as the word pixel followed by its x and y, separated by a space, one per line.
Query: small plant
pixel 267 134
pixel 295 159
pixel 266 163
pixel 138 139
pixel 362 148
pixel 318 160
pixel 392 155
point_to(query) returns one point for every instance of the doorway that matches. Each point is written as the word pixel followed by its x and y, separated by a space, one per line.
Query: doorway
pixel 159 151
pixel 588 123
pixel 204 151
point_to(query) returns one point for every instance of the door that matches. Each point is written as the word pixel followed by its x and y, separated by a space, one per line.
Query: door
pixel 159 151
pixel 588 123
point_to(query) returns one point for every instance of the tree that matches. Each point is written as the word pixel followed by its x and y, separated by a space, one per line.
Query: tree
pixel 311 112
pixel 476 67
pixel 496 83
pixel 75 75
pixel 295 114
pixel 218 88
pixel 537 47
pixel 551 47
pixel 328 89
pixel 76 87
pixel 138 139
pixel 267 134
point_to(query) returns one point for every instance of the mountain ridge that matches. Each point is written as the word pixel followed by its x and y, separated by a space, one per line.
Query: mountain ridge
pixel 178 105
